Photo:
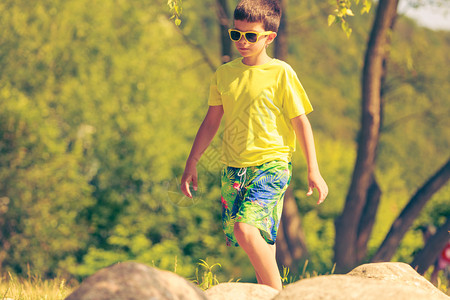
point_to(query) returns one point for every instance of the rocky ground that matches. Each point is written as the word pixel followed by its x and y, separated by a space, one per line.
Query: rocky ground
pixel 130 280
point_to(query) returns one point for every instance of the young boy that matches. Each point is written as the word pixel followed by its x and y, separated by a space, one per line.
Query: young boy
pixel 265 109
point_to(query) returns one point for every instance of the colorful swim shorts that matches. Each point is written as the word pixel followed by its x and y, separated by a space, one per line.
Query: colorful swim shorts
pixel 254 195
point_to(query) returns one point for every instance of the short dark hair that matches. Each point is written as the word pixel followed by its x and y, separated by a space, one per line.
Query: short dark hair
pixel 266 11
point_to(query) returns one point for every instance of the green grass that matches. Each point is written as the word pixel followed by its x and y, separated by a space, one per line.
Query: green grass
pixel 286 278
pixel 207 278
pixel 442 283
pixel 33 288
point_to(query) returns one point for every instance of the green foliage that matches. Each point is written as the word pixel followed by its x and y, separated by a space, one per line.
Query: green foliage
pixel 286 278
pixel 343 11
pixel 98 112
pixel 176 10
pixel 42 186
pixel 208 278
pixel 442 280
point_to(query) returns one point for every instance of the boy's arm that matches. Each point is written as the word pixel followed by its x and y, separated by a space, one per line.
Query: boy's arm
pixel 304 134
pixel 205 134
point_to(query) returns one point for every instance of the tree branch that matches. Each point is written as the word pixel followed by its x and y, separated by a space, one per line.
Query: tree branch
pixel 410 213
pixel 433 247
pixel 199 48
pixel 410 117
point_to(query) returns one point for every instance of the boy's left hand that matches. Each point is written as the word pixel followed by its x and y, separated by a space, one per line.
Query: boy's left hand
pixel 315 180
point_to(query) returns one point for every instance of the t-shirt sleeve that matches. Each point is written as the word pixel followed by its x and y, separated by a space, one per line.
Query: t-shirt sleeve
pixel 214 95
pixel 296 101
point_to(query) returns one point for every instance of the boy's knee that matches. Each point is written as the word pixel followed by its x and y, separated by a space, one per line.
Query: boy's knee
pixel 243 230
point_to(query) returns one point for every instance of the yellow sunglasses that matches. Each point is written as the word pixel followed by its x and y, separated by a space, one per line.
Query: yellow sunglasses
pixel 250 36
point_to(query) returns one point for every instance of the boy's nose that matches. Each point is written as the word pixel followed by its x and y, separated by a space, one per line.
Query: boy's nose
pixel 242 41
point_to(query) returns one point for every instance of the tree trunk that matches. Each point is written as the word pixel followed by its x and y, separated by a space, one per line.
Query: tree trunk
pixel 224 21
pixel 433 247
pixel 292 247
pixel 281 43
pixel 367 219
pixel 410 213
pixel 348 223
pixel 283 255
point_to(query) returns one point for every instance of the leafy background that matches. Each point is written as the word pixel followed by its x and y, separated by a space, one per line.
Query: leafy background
pixel 99 105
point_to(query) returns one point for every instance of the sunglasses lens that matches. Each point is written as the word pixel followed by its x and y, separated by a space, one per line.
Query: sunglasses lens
pixel 251 37
pixel 235 35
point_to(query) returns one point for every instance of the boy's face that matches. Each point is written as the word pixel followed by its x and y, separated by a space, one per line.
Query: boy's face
pixel 247 49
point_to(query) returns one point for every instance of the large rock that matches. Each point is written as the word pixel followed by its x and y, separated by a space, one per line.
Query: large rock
pixel 397 281
pixel 241 291
pixel 134 281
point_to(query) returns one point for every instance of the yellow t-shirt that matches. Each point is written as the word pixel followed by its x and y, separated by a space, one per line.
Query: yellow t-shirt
pixel 258 103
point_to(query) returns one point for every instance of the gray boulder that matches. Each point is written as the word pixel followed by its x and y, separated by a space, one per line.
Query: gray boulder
pixel 129 281
pixel 241 291
pixel 369 282
pixel 134 281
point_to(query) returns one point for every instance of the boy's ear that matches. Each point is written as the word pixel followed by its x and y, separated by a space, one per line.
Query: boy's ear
pixel 271 37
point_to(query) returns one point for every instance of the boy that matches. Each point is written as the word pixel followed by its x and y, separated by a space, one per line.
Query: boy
pixel 265 109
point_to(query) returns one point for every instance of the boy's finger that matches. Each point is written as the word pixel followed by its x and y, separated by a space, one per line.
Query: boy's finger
pixel 322 195
pixel 185 188
pixel 194 182
pixel 310 191
pixel 320 199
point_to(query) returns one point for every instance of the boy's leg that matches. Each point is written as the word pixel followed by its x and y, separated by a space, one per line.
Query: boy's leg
pixel 260 253
pixel 258 278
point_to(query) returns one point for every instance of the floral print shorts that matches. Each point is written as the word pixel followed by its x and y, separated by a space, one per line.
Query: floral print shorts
pixel 254 195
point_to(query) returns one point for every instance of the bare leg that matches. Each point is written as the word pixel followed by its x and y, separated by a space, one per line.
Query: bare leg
pixel 258 278
pixel 261 254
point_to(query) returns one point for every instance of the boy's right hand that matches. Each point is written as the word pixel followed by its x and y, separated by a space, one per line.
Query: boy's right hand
pixel 189 175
